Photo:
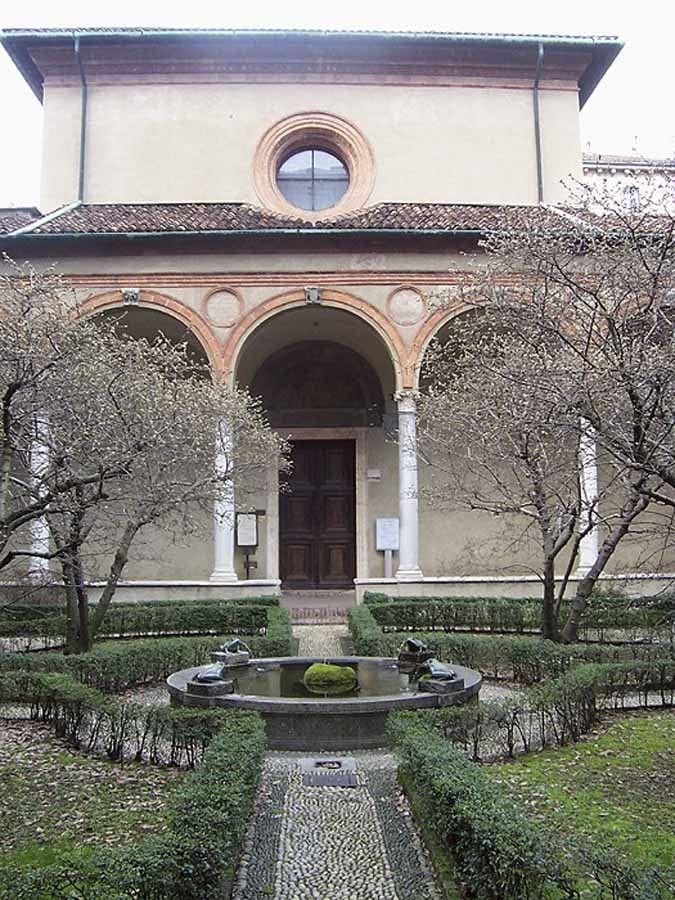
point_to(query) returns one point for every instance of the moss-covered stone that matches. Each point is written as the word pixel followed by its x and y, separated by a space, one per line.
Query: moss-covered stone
pixel 327 678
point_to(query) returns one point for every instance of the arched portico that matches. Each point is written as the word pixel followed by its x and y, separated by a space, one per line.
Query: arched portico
pixel 329 374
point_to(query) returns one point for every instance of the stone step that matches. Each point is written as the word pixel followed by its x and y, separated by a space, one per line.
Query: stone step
pixel 318 615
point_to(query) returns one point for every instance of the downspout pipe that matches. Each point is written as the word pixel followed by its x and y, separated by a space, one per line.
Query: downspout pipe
pixel 83 121
pixel 537 124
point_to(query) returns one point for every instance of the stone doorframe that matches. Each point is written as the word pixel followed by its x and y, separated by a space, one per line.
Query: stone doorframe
pixel 359 436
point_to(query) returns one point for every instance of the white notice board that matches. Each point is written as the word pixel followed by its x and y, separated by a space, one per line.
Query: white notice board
pixel 386 534
pixel 247 530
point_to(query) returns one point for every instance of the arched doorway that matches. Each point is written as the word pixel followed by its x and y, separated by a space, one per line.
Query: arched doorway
pixel 323 376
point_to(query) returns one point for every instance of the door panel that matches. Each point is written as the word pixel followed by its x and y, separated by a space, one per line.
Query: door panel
pixel 317 516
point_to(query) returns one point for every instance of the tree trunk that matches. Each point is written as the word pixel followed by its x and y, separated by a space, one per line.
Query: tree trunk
pixel 82 603
pixel 549 622
pixel 570 632
pixel 72 610
pixel 116 569
pixel 78 638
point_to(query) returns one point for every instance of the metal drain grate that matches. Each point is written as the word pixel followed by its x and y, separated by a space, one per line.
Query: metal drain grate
pixel 329 772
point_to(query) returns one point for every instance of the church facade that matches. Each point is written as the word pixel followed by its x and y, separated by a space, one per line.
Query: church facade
pixel 290 203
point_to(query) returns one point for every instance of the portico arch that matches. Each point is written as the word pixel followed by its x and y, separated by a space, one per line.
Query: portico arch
pixel 327 376
pixel 330 299
pixel 433 327
pixel 195 329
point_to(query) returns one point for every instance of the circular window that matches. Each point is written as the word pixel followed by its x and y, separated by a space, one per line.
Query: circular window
pixel 315 162
pixel 313 179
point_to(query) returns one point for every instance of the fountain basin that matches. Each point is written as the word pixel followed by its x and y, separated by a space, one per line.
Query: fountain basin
pixel 296 719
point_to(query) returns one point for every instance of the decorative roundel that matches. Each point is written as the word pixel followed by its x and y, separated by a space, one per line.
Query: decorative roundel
pixel 223 308
pixel 406 306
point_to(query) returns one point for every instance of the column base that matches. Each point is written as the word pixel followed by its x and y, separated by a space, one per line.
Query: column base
pixel 582 571
pixel 409 574
pixel 223 577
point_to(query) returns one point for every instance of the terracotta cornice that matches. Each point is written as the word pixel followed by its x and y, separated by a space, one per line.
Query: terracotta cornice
pixel 253 61
pixel 270 279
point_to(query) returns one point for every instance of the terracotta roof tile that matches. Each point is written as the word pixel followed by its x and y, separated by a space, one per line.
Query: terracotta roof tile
pixel 233 218
pixel 626 161
pixel 17 217
pixel 158 218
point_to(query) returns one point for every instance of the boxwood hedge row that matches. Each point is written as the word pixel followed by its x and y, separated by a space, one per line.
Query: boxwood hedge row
pixel 128 619
pixel 117 665
pixel 527 660
pixel 497 851
pixel 513 615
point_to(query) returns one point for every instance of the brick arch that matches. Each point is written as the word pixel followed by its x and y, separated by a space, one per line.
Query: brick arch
pixel 329 297
pixel 428 330
pixel 164 303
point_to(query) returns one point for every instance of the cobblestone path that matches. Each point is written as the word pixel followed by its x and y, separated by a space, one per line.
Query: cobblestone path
pixel 333 843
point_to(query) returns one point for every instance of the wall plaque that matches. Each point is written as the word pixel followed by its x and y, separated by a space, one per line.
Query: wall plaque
pixel 247 530
pixel 386 534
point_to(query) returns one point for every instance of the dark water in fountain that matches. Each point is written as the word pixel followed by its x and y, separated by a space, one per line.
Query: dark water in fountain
pixel 374 680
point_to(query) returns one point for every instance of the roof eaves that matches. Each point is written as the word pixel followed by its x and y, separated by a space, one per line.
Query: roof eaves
pixel 454 36
pixel 22 60
pixel 244 232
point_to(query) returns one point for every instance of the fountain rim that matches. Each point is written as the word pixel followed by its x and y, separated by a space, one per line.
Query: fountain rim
pixel 348 706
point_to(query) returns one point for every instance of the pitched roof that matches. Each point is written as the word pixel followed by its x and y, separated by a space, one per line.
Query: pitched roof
pixel 220 218
pixel 588 55
pixel 14 217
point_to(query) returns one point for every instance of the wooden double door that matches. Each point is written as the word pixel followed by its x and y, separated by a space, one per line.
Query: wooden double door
pixel 317 521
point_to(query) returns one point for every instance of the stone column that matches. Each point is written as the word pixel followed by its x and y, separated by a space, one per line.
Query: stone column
pixel 588 484
pixel 224 512
pixel 38 570
pixel 408 556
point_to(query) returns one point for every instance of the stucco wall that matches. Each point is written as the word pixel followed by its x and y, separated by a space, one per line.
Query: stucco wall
pixel 196 142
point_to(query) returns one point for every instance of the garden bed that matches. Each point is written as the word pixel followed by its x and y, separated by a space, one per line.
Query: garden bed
pixel 613 789
pixel 57 800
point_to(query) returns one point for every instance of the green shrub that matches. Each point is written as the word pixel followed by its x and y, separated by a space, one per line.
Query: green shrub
pixel 176 618
pixel 527 660
pixel 507 615
pixel 557 711
pixel 498 853
pixel 366 633
pixel 90 719
pixel 117 665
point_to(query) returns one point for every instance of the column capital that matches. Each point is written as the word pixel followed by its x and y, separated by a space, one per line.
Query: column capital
pixel 407 399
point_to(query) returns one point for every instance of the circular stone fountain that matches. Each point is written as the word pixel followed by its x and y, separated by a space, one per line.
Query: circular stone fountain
pixel 299 719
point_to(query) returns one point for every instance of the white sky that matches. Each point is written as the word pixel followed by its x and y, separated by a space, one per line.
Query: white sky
pixel 632 108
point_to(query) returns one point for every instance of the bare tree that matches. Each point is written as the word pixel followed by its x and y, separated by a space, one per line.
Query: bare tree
pixel 576 305
pixel 130 430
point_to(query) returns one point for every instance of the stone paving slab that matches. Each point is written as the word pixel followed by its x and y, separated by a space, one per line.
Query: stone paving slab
pixel 333 843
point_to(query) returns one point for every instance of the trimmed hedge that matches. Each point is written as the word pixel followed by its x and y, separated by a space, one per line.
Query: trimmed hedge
pixel 129 619
pixel 527 660
pixel 198 856
pixel 497 851
pixel 506 615
pixel 117 665
pixel 556 712
pixel 90 719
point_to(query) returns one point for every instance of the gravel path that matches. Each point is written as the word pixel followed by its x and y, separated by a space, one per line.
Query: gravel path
pixel 320 640
pixel 343 843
